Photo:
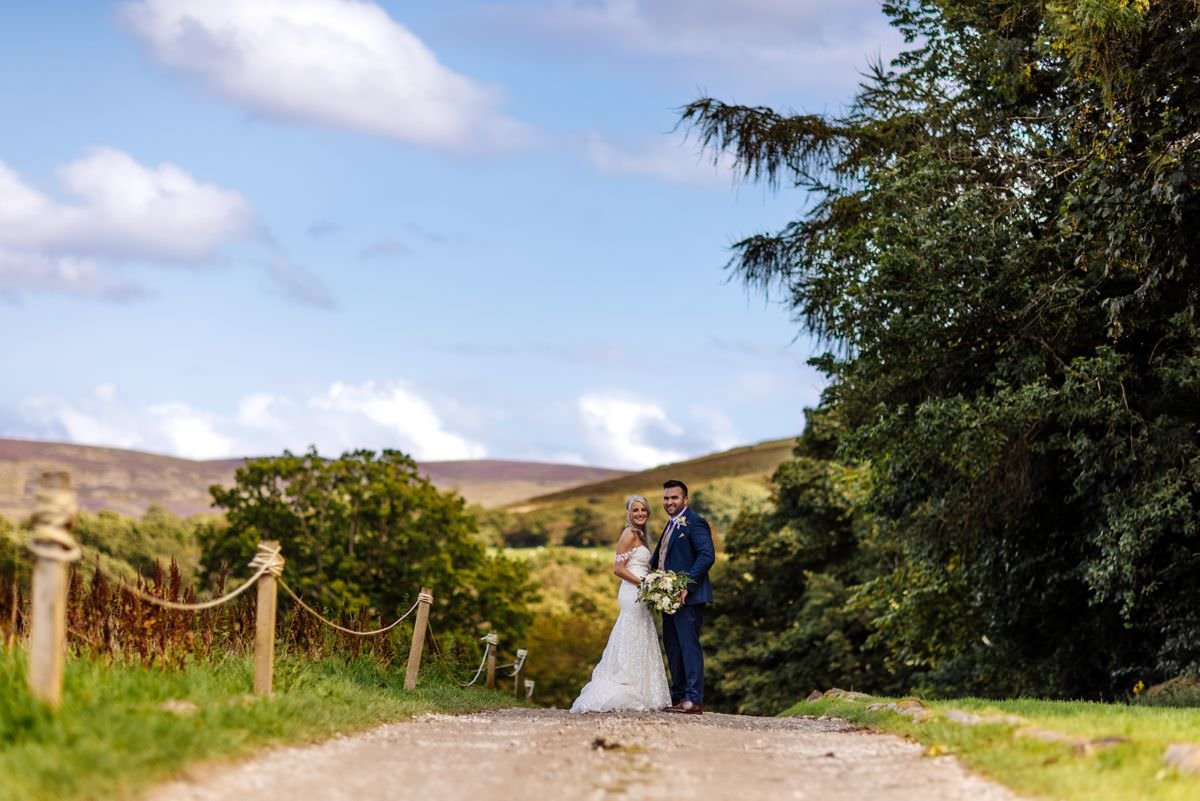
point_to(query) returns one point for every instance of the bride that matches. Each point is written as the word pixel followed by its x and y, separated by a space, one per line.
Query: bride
pixel 630 675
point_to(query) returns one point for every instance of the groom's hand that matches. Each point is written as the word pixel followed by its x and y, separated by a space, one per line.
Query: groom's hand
pixel 683 597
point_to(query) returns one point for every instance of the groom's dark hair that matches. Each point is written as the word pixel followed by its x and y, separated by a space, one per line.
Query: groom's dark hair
pixel 676 483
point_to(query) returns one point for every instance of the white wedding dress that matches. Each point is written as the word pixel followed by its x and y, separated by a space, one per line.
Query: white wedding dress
pixel 630 675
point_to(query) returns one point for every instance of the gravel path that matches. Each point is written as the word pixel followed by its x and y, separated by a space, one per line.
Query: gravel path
pixel 550 755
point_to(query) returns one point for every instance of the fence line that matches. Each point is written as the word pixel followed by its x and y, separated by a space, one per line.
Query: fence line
pixel 421 598
pixel 268 560
pixel 54 547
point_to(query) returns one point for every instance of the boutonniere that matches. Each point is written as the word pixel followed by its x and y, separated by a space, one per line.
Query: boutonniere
pixel 682 522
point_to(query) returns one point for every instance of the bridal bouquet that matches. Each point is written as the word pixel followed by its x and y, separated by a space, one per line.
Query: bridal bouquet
pixel 661 588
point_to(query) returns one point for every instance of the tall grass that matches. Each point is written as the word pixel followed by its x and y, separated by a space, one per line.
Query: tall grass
pixel 106 620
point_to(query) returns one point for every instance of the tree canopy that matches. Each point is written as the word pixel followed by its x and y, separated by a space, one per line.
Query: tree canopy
pixel 998 257
pixel 366 532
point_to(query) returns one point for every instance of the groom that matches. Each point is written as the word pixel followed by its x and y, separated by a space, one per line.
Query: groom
pixel 686 546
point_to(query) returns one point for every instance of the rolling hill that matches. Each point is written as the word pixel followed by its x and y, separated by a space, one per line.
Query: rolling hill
pixel 131 481
pixel 720 485
pixel 747 461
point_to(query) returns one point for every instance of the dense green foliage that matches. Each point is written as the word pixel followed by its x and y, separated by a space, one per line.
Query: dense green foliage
pixel 157 536
pixel 572 619
pixel 785 623
pixel 367 531
pixel 586 529
pixel 999 251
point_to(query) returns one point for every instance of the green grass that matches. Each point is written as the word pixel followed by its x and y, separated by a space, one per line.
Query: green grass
pixel 111 739
pixel 1130 771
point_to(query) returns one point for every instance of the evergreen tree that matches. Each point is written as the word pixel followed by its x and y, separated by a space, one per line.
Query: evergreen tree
pixel 1000 255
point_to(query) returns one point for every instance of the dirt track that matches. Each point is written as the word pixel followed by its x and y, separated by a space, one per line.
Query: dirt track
pixel 550 755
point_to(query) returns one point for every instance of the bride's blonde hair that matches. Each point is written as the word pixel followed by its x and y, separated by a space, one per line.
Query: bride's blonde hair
pixel 629 502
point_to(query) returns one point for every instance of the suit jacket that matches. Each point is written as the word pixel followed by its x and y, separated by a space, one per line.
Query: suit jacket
pixel 691 552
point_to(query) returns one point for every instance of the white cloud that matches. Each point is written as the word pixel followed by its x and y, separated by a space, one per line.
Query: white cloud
pixel 621 430
pixel 85 422
pixel 343 417
pixel 342 63
pixel 117 209
pixel 190 433
pixel 122 209
pixel 663 158
pixel 785 42
pixel 401 416
pixel 22 271
pixel 255 411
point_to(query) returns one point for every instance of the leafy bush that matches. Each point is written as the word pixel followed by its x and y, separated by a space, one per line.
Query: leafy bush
pixel 365 532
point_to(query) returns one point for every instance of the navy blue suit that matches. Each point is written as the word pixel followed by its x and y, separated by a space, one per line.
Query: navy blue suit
pixel 691 552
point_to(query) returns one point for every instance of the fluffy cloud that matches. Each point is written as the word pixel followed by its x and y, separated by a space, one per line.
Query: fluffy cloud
pixel 343 63
pixel 343 417
pixel 400 416
pixel 117 209
pixel 624 432
pixel 122 209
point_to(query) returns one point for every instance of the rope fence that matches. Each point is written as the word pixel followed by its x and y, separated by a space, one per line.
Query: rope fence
pixel 422 597
pixel 268 560
pixel 55 548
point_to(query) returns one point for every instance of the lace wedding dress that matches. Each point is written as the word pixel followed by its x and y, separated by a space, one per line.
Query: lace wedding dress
pixel 630 675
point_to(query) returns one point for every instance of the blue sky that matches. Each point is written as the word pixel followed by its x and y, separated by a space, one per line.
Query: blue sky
pixel 462 229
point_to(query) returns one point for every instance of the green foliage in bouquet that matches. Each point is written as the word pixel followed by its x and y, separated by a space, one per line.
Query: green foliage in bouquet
pixel 661 590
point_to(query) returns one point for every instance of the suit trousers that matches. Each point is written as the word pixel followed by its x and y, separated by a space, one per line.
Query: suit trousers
pixel 681 637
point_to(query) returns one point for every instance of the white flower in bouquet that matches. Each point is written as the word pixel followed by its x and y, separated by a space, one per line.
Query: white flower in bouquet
pixel 661 590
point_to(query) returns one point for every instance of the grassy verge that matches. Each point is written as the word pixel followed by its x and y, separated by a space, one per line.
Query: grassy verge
pixel 1130 770
pixel 112 737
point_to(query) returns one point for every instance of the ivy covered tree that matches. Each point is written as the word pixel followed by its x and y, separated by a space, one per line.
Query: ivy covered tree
pixel 787 622
pixel 366 532
pixel 1000 254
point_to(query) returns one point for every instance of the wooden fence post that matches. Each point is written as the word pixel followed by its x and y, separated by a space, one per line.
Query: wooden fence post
pixel 519 680
pixel 264 623
pixel 54 547
pixel 493 640
pixel 418 641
